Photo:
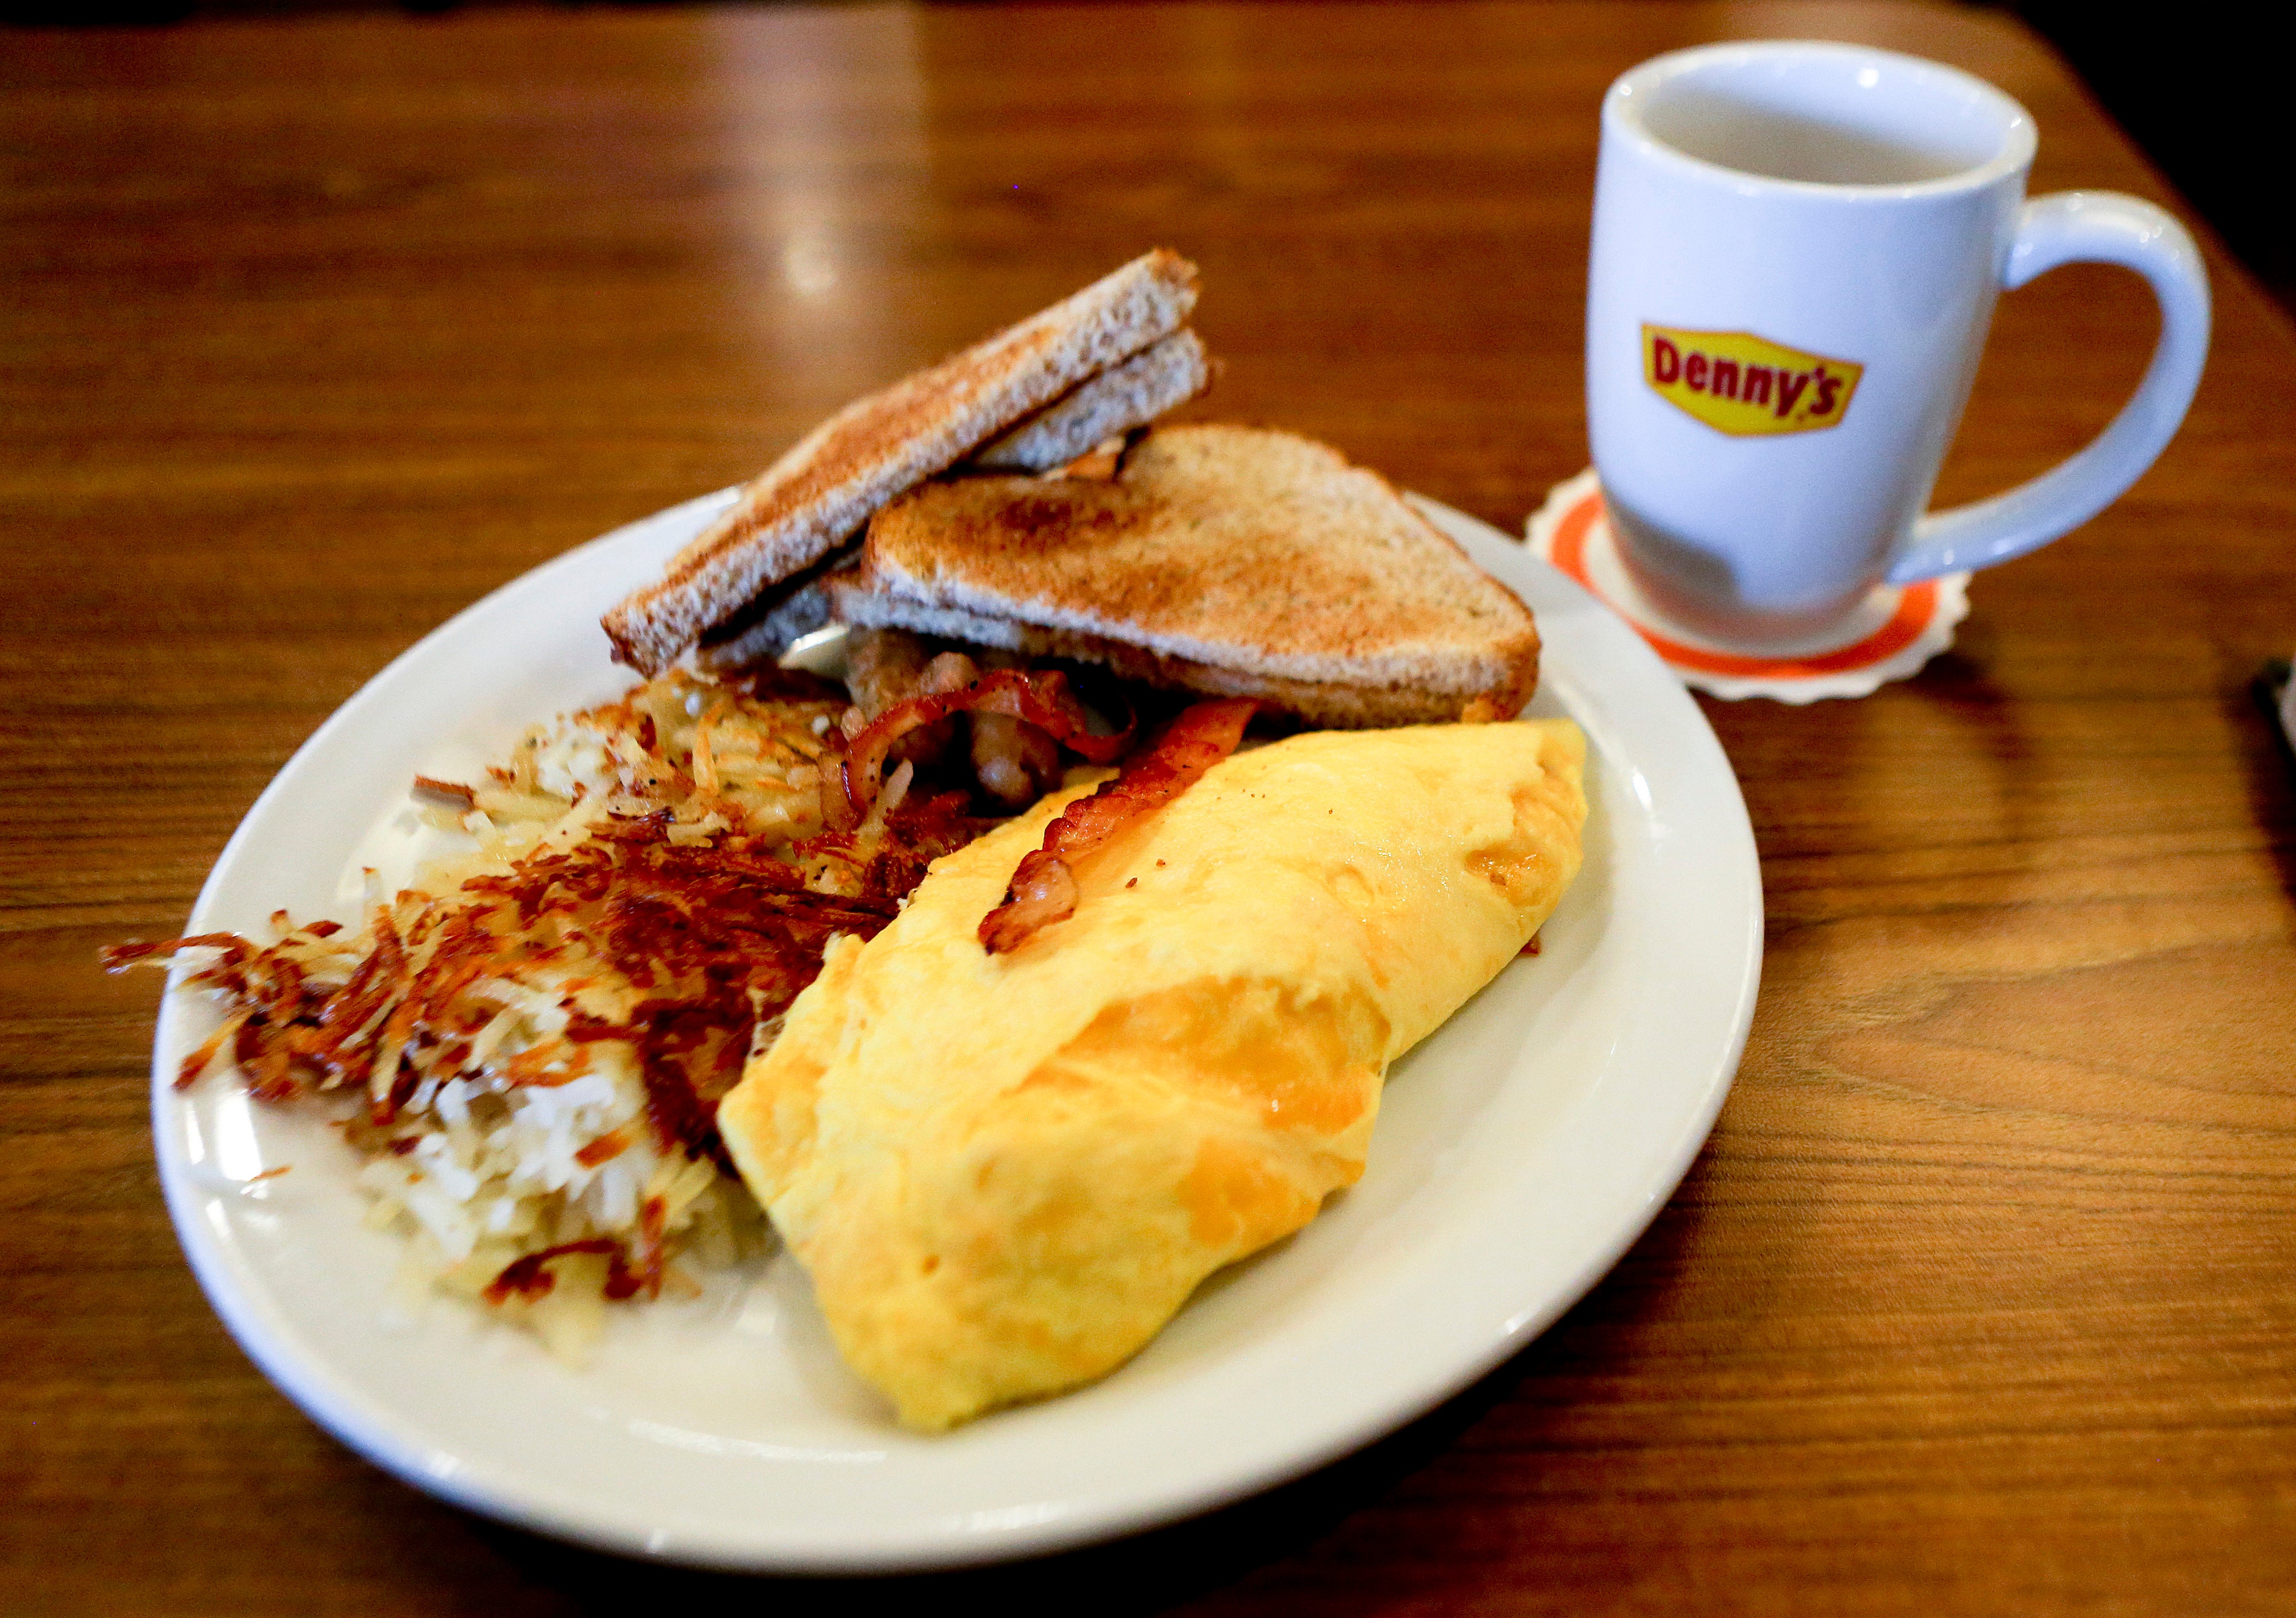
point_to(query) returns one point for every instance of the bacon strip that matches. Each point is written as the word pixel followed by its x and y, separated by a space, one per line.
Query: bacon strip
pixel 1041 698
pixel 1044 887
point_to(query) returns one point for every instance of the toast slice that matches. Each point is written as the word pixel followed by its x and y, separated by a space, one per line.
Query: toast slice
pixel 818 496
pixel 1237 561
pixel 1131 395
pixel 782 612
pixel 1099 411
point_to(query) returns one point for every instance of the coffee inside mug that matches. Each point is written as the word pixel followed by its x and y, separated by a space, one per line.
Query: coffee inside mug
pixel 1826 120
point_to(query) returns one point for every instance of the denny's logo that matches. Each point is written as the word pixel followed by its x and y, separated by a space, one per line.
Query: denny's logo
pixel 1739 383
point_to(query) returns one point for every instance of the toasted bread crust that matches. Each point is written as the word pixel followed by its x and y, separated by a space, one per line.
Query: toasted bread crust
pixel 764 628
pixel 1235 560
pixel 1132 395
pixel 822 490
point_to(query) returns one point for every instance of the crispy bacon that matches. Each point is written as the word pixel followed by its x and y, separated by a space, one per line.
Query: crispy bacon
pixel 1041 698
pixel 1044 887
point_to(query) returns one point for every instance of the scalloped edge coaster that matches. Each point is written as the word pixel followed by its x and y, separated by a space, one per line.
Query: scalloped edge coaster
pixel 1897 630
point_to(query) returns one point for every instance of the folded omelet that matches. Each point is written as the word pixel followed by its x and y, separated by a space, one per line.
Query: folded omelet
pixel 1006 1173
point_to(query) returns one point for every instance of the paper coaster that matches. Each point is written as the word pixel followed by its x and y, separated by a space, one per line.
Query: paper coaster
pixel 1897 630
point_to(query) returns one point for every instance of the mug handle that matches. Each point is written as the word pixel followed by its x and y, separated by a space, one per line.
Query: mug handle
pixel 2073 226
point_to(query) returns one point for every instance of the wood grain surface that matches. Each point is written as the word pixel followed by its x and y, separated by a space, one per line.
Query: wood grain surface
pixel 1978 1300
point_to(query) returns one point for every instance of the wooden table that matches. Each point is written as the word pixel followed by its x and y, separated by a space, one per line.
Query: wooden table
pixel 1978 1300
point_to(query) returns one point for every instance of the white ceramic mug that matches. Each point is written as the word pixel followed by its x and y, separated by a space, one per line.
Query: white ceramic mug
pixel 1797 248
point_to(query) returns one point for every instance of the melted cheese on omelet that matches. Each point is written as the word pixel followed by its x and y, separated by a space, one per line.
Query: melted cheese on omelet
pixel 1006 1173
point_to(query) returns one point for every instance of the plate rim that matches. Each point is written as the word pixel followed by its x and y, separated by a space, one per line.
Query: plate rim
pixel 368 1427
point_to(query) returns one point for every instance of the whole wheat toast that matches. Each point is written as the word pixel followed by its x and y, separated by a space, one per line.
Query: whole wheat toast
pixel 1100 410
pixel 1130 395
pixel 820 493
pixel 1235 560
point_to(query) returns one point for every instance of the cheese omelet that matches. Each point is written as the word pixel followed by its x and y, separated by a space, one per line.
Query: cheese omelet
pixel 1006 1173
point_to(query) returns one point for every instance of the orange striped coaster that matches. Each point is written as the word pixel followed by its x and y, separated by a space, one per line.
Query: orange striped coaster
pixel 1897 630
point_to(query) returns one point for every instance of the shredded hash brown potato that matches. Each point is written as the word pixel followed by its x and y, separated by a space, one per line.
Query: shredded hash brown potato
pixel 529 1043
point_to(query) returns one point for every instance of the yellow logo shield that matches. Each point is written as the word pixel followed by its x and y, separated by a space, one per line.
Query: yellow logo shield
pixel 1742 384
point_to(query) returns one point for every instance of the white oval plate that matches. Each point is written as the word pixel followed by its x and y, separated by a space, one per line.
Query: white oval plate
pixel 1519 1150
